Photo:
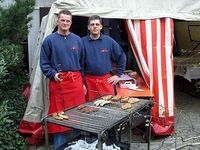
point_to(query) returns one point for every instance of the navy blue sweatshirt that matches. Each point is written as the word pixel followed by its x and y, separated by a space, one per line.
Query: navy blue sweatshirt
pixel 61 53
pixel 100 54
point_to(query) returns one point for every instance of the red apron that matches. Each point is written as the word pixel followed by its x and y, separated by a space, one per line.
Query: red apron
pixel 64 95
pixel 98 86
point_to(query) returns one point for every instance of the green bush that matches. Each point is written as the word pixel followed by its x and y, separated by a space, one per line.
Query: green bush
pixel 11 60
pixel 14 24
pixel 7 128
pixel 14 21
pixel 13 105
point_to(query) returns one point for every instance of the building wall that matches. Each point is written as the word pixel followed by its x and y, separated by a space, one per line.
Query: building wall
pixel 6 3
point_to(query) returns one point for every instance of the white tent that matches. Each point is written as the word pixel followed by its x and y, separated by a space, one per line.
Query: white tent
pixel 136 13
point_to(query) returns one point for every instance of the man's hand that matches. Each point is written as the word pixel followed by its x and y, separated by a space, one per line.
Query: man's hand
pixel 113 80
pixel 85 89
pixel 56 77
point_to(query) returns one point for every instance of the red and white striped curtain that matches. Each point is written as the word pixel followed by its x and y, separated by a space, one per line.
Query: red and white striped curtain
pixel 152 44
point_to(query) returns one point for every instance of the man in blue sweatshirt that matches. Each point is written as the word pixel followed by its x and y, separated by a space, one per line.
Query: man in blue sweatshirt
pixel 60 61
pixel 100 53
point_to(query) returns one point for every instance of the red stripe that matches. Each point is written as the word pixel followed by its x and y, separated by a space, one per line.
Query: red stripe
pixel 143 40
pixel 154 54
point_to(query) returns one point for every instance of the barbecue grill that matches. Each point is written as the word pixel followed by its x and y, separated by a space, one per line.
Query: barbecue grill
pixel 101 120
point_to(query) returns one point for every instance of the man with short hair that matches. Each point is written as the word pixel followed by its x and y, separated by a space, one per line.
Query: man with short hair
pixel 100 52
pixel 60 61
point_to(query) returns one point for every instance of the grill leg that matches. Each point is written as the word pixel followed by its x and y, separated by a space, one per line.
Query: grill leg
pixel 100 144
pixel 148 129
pixel 149 136
pixel 119 135
pixel 46 134
pixel 130 129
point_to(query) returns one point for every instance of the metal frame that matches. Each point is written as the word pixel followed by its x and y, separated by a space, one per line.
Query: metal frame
pixel 101 134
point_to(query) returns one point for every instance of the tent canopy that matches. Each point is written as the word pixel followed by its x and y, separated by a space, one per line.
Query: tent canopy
pixel 126 9
pixel 132 9
pixel 122 9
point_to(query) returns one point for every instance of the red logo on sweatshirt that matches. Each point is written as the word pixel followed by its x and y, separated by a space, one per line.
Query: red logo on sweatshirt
pixel 74 48
pixel 103 50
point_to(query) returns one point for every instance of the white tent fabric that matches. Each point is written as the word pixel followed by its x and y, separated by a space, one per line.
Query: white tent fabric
pixel 38 101
pixel 122 9
pixel 133 9
pixel 126 9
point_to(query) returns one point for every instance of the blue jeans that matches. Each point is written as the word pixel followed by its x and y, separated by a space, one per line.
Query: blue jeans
pixel 63 137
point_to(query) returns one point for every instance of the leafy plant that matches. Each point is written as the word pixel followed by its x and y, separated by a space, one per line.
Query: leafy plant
pixel 14 30
pixel 15 20
pixel 11 59
pixel 5 123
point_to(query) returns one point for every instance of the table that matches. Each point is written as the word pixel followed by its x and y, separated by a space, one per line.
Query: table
pixel 101 121
pixel 146 93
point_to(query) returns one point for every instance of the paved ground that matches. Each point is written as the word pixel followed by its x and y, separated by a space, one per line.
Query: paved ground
pixel 187 125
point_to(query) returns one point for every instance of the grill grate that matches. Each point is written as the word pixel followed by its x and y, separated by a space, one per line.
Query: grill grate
pixel 105 118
